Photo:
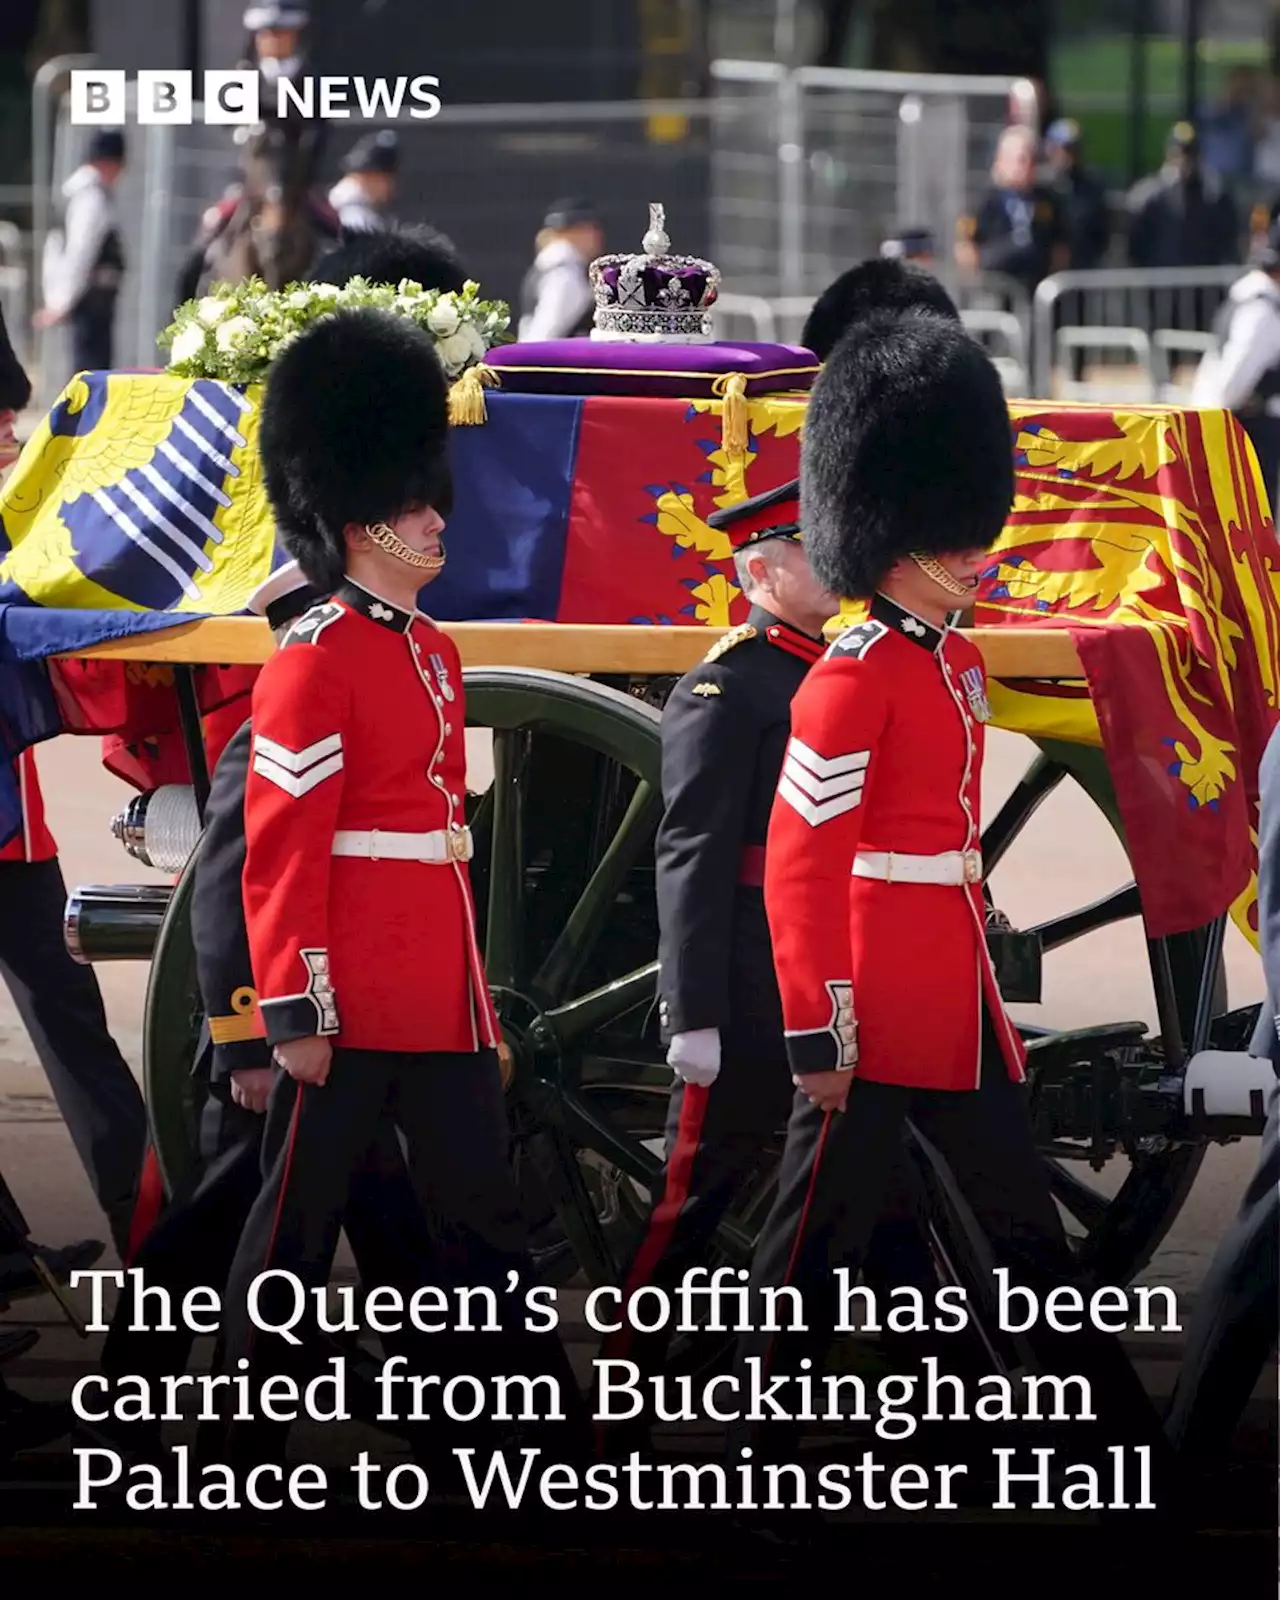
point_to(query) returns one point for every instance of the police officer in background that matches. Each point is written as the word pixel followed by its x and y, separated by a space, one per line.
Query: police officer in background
pixel 84 259
pixel 556 298
pixel 1183 215
pixel 275 49
pixel 364 195
pixel 1242 373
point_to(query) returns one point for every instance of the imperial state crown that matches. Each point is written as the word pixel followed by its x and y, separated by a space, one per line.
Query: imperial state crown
pixel 654 297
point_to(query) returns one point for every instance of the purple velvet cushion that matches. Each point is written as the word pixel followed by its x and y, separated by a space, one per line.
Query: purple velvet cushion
pixel 679 371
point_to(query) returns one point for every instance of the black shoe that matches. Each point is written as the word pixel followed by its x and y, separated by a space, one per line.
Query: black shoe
pixel 19 1278
pixel 16 1342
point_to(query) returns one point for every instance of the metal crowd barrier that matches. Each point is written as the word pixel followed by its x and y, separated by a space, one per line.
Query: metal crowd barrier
pixel 1125 333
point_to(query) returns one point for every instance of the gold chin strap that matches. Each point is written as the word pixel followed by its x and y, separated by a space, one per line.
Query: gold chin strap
pixel 386 538
pixel 933 568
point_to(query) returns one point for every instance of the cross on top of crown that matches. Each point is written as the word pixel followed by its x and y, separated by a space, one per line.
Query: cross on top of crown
pixel 656 242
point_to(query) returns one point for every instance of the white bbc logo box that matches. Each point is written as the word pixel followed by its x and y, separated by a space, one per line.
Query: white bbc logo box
pixel 103 97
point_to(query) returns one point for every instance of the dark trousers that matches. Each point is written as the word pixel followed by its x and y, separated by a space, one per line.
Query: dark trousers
pixel 92 342
pixel 1234 1326
pixel 715 1136
pixel 451 1111
pixel 831 1187
pixel 195 1242
pixel 61 1008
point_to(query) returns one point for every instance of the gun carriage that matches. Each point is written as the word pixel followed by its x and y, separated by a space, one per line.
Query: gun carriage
pixel 566 715
pixel 563 878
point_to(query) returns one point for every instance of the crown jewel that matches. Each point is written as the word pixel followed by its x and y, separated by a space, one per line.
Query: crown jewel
pixel 654 297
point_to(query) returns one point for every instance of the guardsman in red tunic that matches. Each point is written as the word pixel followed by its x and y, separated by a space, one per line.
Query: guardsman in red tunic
pixel 873 871
pixel 358 905
pixel 724 732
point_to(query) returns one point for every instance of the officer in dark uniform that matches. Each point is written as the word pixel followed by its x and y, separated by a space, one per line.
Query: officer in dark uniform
pixel 1183 215
pixel 1086 215
pixel 1236 1320
pixel 1019 230
pixel 724 731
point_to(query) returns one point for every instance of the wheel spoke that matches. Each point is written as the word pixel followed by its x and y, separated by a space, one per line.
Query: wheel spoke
pixel 1081 1201
pixel 504 927
pixel 580 1018
pixel 590 915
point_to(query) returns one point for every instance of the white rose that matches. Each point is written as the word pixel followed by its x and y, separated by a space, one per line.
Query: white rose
pixel 479 349
pixel 443 318
pixel 188 344
pixel 235 333
pixel 326 291
pixel 455 351
pixel 299 298
pixel 211 310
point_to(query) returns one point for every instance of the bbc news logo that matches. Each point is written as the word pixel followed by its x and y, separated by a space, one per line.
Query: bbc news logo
pixel 236 98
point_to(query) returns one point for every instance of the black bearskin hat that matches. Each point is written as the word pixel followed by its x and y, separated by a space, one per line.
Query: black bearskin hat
pixel 907 449
pixel 878 285
pixel 15 386
pixel 354 428
pixel 420 254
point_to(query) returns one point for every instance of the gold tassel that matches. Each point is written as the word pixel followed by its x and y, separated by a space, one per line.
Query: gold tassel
pixel 466 397
pixel 733 425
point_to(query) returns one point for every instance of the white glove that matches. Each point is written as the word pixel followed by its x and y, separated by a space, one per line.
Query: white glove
pixel 695 1057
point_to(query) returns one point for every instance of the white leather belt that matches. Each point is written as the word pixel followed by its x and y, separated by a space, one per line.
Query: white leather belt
pixel 952 867
pixel 439 847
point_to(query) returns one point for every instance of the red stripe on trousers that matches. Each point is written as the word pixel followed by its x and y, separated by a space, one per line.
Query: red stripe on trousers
pixel 148 1205
pixel 662 1222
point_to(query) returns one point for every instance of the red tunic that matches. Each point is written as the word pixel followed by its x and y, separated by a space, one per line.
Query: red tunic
pixel 358 725
pixel 33 840
pixel 886 978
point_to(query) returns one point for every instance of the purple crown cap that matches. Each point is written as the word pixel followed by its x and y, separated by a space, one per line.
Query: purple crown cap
pixel 655 297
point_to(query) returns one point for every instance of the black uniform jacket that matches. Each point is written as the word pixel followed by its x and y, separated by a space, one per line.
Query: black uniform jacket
pixel 724 734
pixel 233 1037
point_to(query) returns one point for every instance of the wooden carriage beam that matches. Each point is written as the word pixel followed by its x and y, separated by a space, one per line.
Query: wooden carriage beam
pixel 1033 652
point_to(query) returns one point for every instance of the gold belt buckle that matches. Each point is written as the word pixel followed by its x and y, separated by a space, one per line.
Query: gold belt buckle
pixel 458 842
pixel 972 867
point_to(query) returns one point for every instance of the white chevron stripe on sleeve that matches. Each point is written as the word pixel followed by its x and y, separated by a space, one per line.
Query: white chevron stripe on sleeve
pixel 296 760
pixel 820 789
pixel 827 767
pixel 812 812
pixel 293 784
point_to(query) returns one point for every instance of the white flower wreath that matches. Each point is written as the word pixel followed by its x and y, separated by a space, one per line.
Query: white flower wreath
pixel 236 332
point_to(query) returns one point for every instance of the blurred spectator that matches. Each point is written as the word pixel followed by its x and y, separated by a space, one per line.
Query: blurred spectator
pixel 1182 216
pixel 911 244
pixel 1019 230
pixel 556 298
pixel 1227 129
pixel 1086 215
pixel 1266 151
pixel 364 196
pixel 1242 374
pixel 84 258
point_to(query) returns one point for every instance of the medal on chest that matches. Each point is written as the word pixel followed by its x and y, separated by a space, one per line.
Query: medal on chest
pixel 442 675
pixel 975 692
